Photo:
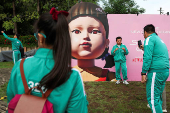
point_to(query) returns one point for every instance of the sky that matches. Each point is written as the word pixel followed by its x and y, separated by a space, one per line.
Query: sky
pixel 152 6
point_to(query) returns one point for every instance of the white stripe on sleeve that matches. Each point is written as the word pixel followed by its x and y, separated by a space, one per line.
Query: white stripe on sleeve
pixel 147 41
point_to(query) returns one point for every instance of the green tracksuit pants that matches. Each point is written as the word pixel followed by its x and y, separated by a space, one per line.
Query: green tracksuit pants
pixel 16 56
pixel 154 88
pixel 124 70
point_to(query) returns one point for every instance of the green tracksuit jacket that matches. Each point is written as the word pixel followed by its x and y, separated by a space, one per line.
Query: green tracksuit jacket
pixel 120 61
pixel 119 55
pixel 69 97
pixel 156 58
pixel 15 42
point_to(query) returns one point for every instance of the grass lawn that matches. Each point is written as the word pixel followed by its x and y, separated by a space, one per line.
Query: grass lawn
pixel 107 97
pixel 6 64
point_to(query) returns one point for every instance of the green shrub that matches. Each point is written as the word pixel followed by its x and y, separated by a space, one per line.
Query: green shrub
pixel 27 41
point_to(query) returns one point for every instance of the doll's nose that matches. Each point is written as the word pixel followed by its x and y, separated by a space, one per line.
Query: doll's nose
pixel 86 36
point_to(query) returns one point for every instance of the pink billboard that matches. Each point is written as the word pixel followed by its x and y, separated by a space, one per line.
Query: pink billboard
pixel 130 28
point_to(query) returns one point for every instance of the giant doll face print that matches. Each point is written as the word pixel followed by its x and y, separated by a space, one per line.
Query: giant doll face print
pixel 88 27
pixel 88 37
pixel 88 30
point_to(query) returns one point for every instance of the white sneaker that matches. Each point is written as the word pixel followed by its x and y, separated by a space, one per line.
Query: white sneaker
pixel 118 82
pixel 125 82
pixel 164 110
pixel 148 106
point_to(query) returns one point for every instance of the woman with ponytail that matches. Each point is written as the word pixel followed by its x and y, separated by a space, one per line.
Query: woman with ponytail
pixel 50 67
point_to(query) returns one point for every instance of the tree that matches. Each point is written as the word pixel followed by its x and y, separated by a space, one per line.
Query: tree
pixel 122 7
pixel 15 24
pixel 15 12
pixel 20 15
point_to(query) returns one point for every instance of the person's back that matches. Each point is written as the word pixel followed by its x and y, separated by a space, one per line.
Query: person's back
pixel 160 58
pixel 155 69
pixel 66 97
pixel 50 67
pixel 16 43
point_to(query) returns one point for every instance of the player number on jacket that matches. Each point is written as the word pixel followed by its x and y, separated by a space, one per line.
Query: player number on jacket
pixel 32 84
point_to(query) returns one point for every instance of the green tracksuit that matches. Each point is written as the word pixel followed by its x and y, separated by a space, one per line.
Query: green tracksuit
pixel 70 97
pixel 15 48
pixel 120 61
pixel 156 65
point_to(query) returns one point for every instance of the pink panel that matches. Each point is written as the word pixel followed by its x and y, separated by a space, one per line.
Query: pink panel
pixel 130 28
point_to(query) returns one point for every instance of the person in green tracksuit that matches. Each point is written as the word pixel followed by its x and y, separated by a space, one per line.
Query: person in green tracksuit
pixel 156 66
pixel 16 43
pixel 50 67
pixel 69 96
pixel 164 107
pixel 119 51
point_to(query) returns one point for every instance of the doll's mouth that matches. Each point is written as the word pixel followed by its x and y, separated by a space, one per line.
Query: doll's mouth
pixel 86 44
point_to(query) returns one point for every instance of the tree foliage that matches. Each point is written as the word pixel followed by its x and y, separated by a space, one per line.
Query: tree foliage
pixel 27 11
pixel 122 7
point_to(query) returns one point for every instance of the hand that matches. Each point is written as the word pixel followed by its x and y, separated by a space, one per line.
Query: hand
pixel 141 47
pixel 143 79
pixel 116 49
pixel 2 31
pixel 124 49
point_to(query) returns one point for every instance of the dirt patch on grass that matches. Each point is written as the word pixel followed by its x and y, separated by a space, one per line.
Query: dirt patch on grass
pixel 4 75
pixel 4 78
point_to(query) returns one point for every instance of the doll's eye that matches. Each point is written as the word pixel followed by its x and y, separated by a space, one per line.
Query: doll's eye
pixel 76 31
pixel 95 31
